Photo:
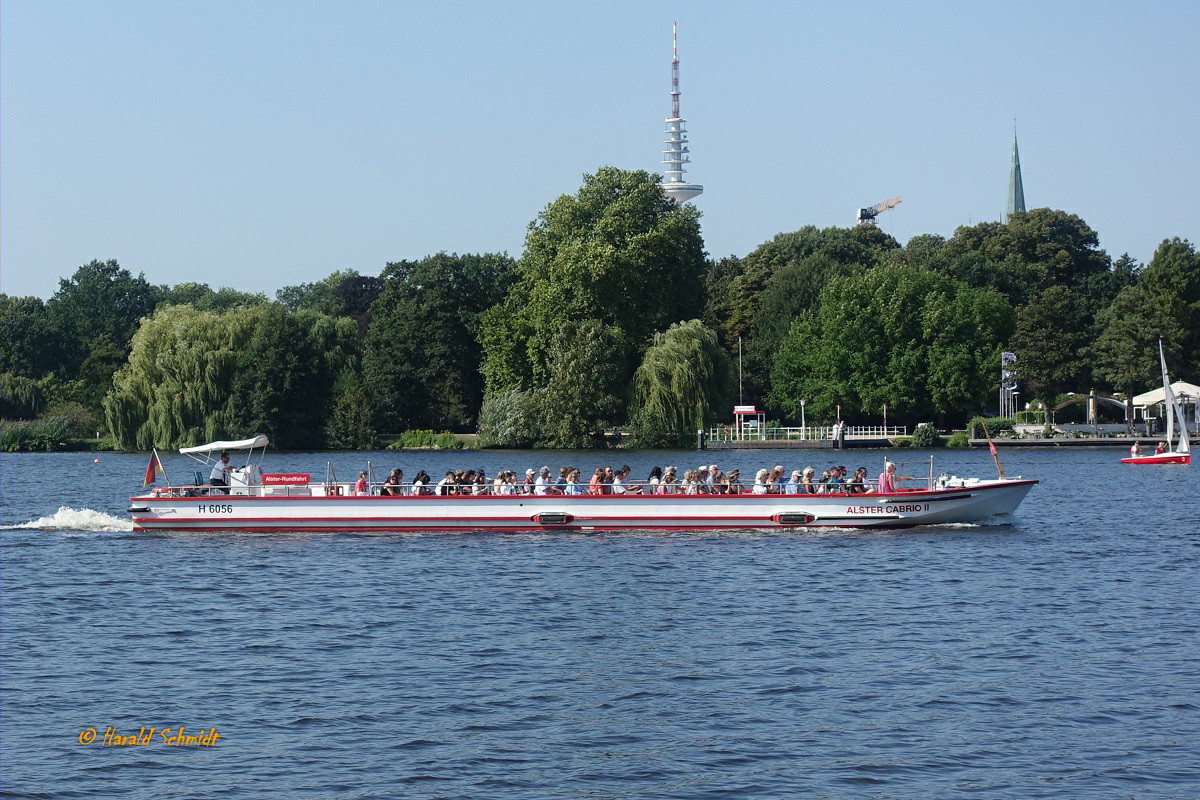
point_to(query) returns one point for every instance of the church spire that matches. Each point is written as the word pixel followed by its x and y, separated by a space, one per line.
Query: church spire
pixel 1016 191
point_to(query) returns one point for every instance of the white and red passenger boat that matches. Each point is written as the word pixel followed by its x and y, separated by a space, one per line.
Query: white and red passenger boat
pixel 259 502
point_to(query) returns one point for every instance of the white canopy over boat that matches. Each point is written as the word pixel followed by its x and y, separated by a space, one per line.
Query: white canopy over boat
pixel 1156 396
pixel 216 447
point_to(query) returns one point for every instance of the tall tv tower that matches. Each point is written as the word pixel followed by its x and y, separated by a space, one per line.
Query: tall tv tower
pixel 676 154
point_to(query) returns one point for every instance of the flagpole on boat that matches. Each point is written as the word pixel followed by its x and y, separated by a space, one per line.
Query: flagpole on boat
pixel 992 447
pixel 156 462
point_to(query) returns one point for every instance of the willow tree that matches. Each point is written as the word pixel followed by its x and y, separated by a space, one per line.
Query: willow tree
pixel 683 379
pixel 175 388
pixel 195 376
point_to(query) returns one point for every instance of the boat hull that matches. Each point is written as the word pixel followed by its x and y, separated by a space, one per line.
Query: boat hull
pixel 970 502
pixel 1161 458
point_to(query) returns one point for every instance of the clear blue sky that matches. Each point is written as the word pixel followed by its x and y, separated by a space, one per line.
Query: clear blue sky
pixel 261 144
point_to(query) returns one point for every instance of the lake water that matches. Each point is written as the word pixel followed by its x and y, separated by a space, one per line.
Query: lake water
pixel 1057 656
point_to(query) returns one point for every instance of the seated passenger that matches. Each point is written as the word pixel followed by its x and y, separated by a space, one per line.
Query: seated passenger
pixel 574 487
pixel 795 484
pixel 858 484
pixel 733 484
pixel 360 486
pixel 837 479
pixel 654 479
pixel 541 484
pixel 762 482
pixel 776 480
pixel 887 479
pixel 619 486
pixel 718 480
pixel 392 485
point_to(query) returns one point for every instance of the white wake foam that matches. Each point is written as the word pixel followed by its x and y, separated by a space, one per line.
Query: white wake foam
pixel 77 519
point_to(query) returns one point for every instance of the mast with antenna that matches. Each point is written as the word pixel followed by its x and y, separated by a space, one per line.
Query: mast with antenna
pixel 676 153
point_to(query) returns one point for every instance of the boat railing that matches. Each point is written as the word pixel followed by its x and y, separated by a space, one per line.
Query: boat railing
pixel 631 488
pixel 778 433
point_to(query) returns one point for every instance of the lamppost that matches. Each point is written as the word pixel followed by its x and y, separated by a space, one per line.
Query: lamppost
pixel 1015 404
pixel 803 422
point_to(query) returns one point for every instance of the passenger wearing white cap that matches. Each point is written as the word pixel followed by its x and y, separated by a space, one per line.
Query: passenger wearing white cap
pixel 793 486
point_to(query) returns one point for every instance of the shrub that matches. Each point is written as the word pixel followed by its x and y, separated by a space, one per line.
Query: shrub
pixel 994 425
pixel 926 436
pixel 511 419
pixel 958 439
pixel 56 432
pixel 426 440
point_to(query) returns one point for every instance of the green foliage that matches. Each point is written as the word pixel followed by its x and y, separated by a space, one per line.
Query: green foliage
pixel 1049 341
pixel 1125 352
pixel 285 373
pixel 926 436
pixel 341 294
pixel 603 270
pixel 585 384
pixel 718 280
pixel 683 379
pixel 1171 282
pixel 426 440
pixel 100 301
pixel 29 343
pixel 175 389
pixel 349 425
pixel 203 298
pixel 958 440
pixel 46 433
pixel 1060 245
pixel 510 420
pixel 421 364
pixel 195 376
pixel 784 277
pixel 20 397
pixel 921 343
pixel 994 425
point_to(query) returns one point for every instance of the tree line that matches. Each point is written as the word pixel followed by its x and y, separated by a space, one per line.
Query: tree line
pixel 612 316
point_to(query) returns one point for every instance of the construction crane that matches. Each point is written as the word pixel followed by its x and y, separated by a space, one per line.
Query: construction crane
pixel 866 216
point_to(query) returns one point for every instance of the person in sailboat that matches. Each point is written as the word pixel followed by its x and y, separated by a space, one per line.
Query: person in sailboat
pixel 1160 448
pixel 1135 450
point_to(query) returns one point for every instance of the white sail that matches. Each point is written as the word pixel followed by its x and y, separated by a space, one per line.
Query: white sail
pixel 1174 412
pixel 1168 396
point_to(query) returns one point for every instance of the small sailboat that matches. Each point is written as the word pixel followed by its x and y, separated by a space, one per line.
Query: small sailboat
pixel 1182 451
